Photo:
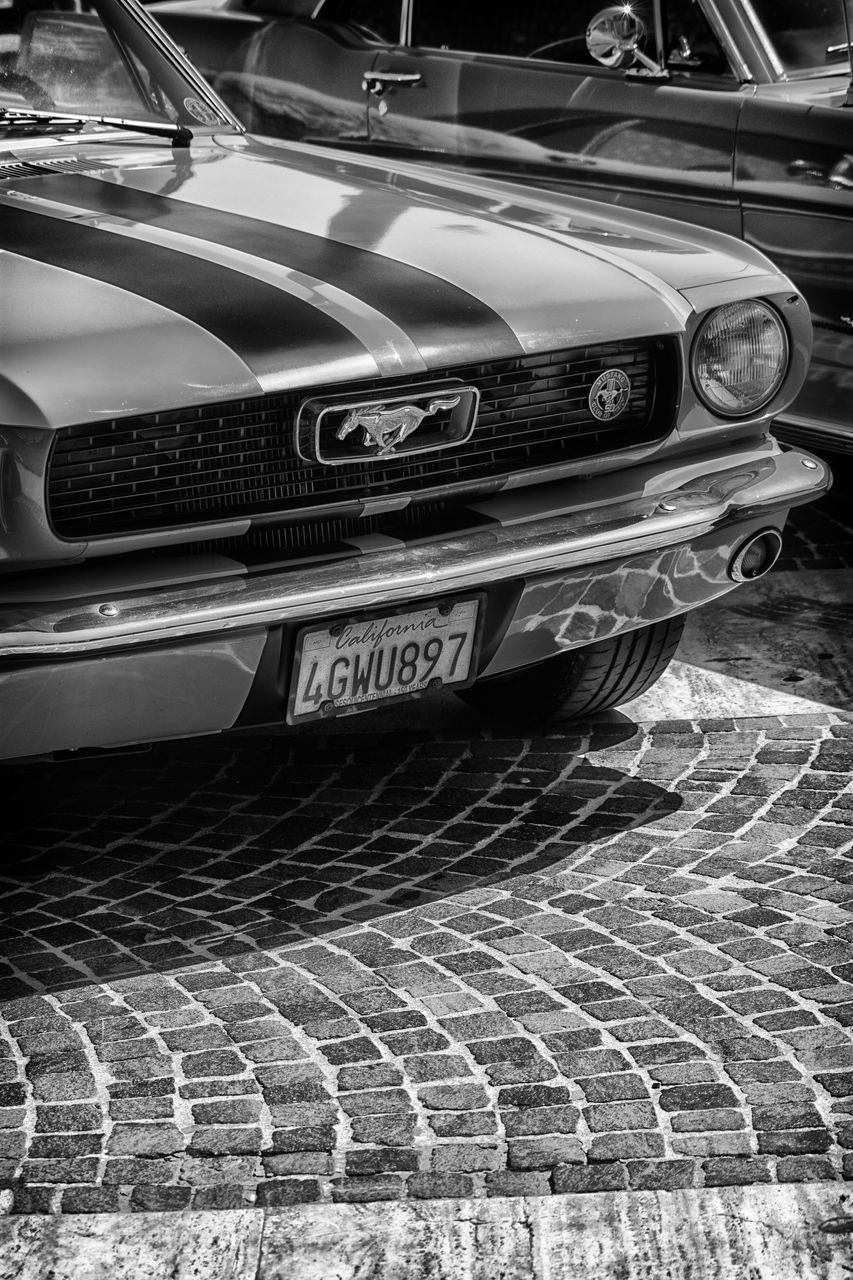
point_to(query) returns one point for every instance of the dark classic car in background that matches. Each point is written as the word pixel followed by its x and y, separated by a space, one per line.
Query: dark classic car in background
pixel 286 432
pixel 725 113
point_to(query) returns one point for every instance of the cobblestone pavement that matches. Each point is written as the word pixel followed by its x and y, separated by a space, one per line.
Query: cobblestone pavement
pixel 423 963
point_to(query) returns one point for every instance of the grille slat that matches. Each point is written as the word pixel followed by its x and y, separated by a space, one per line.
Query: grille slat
pixel 536 430
pixel 88 457
pixel 225 462
pixel 326 538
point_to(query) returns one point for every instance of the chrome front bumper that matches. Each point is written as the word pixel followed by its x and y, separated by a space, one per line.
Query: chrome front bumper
pixel 89 659
pixel 564 526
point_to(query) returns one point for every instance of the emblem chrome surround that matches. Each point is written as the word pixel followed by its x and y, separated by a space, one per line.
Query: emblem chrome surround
pixel 609 394
pixel 336 430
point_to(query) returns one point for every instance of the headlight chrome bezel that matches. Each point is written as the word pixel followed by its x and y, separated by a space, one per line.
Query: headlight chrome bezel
pixel 753 311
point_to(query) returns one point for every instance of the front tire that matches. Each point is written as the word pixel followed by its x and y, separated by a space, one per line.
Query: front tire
pixel 575 684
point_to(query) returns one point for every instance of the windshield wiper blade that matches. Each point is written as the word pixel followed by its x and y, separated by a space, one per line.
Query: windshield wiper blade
pixel 22 117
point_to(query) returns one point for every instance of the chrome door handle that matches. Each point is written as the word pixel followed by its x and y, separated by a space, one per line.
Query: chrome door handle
pixel 376 82
pixel 841 175
pixel 808 170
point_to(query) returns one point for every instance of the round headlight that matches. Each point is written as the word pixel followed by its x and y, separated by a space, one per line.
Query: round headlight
pixel 740 357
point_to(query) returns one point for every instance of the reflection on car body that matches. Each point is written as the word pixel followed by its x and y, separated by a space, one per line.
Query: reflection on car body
pixel 286 432
pixel 723 114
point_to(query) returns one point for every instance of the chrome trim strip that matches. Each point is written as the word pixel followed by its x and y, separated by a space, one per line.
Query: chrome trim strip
pixel 764 40
pixel 761 482
pixel 660 41
pixel 719 29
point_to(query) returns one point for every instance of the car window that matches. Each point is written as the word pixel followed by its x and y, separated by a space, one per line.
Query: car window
pixel 691 45
pixel 89 57
pixel 70 54
pixel 535 29
pixel 283 8
pixel 805 34
pixel 376 20
pixel 556 31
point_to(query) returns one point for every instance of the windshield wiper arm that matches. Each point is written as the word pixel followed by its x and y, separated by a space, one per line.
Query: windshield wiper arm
pixel 179 133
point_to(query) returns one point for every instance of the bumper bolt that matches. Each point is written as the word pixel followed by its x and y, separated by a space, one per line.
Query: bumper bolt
pixel 108 610
pixel 807 462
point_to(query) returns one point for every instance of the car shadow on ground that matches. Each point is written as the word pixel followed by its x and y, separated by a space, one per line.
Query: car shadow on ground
pixel 119 865
pixel 203 850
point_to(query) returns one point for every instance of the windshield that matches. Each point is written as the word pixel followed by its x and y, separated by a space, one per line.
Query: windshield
pixel 806 35
pixel 90 57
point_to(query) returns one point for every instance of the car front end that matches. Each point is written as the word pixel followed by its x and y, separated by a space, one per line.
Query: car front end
pixel 286 434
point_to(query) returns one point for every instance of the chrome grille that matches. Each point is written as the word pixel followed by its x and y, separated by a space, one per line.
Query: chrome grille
pixel 236 460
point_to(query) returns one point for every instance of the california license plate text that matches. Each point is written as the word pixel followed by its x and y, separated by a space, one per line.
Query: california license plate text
pixel 361 662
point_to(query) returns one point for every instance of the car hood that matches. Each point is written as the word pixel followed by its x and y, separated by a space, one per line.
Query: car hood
pixel 137 279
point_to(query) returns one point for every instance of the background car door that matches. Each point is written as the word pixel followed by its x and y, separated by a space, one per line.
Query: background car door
pixel 795 179
pixel 283 71
pixel 513 88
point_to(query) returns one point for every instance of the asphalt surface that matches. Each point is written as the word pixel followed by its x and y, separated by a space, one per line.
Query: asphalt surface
pixel 416 957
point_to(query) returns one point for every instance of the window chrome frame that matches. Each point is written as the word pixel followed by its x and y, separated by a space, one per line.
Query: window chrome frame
pixel 720 31
pixel 174 54
pixel 764 41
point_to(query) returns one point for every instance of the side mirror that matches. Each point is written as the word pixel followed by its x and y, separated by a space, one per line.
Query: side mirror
pixel 614 36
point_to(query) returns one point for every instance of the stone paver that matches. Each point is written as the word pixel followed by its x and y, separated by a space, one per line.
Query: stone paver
pixel 365 967
pixel 371 965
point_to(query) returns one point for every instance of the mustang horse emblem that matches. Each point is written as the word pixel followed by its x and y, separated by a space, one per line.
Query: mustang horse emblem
pixel 386 428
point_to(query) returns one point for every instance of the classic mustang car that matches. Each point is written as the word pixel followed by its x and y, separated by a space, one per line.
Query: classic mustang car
pixel 286 433
pixel 726 114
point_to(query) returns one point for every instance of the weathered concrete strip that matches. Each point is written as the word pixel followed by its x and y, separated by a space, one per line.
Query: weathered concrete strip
pixel 138 1246
pixel 434 1240
pixel 749 1233
pixel 733 1233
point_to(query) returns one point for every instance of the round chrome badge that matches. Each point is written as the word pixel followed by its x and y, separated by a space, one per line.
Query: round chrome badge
pixel 201 111
pixel 609 394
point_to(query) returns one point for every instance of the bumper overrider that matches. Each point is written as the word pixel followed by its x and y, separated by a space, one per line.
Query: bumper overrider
pixel 94 658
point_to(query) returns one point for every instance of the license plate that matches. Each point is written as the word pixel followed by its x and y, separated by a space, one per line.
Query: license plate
pixel 344 667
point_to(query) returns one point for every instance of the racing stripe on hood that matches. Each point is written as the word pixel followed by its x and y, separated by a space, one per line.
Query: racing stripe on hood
pixel 259 322
pixel 388 350
pixel 435 313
